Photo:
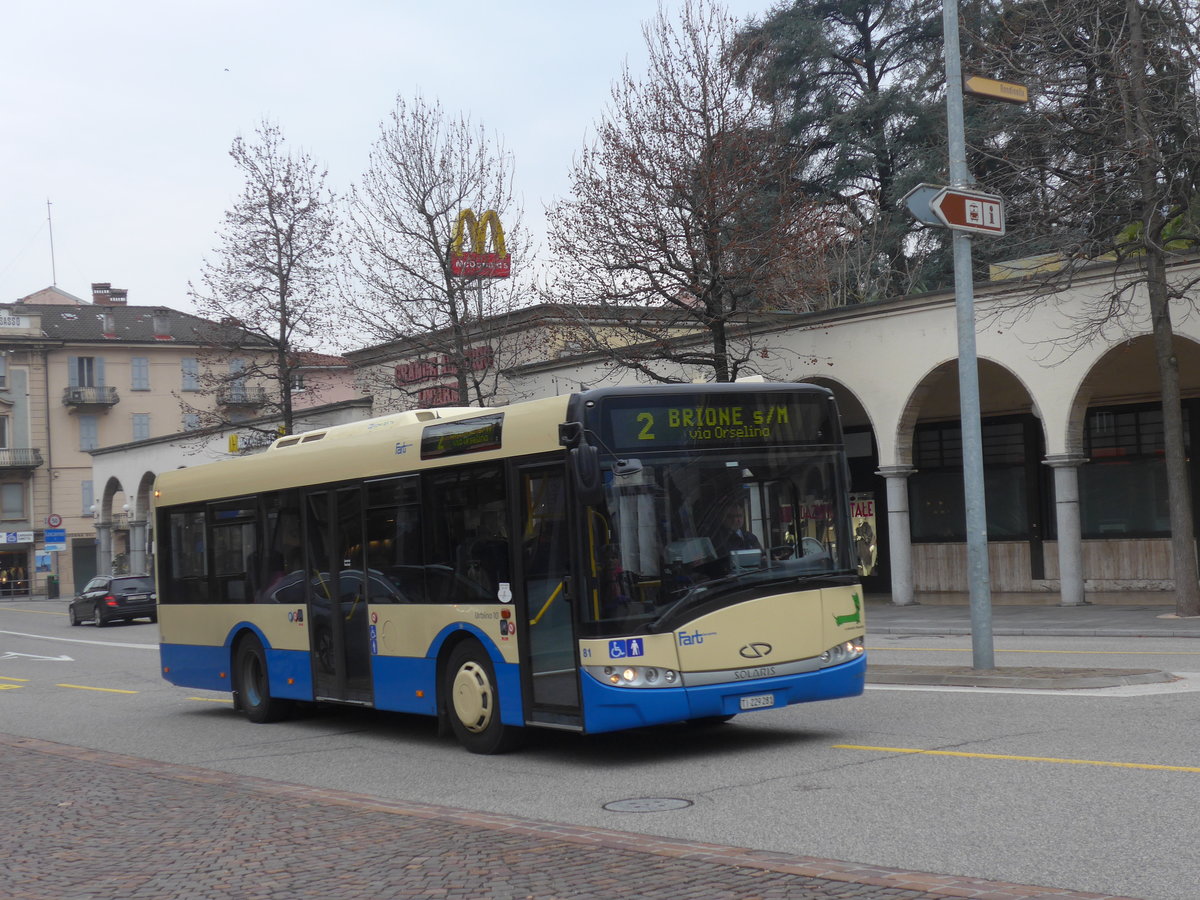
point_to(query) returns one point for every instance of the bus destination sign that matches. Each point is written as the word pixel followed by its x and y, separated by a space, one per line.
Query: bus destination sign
pixel 716 420
pixel 466 436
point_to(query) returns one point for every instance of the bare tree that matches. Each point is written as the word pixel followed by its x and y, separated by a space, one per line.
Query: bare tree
pixel 684 217
pixel 268 289
pixel 427 169
pixel 1106 165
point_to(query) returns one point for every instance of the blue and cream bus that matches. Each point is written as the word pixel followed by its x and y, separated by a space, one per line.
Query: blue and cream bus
pixel 559 563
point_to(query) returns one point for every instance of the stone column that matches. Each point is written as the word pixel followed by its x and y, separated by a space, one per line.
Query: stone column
pixel 104 555
pixel 899 535
pixel 137 546
pixel 1070 542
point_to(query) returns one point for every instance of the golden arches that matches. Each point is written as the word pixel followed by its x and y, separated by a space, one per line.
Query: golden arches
pixel 478 230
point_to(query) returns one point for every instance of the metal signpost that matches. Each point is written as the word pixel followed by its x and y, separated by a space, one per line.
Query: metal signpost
pixel 968 364
pixel 966 211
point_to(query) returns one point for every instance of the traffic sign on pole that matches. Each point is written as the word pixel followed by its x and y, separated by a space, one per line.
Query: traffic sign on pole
pixel 1007 91
pixel 968 210
pixel 918 201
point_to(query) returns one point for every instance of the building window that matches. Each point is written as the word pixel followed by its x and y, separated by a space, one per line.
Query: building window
pixel 88 497
pixel 3 372
pixel 140 374
pixel 191 373
pixel 85 371
pixel 89 438
pixel 12 501
pixel 237 380
pixel 4 432
pixel 1123 486
pixel 1012 476
pixel 141 426
pixel 191 421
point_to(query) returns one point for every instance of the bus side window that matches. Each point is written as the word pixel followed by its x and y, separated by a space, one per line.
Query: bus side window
pixel 233 536
pixel 457 505
pixel 187 557
pixel 283 578
pixel 395 557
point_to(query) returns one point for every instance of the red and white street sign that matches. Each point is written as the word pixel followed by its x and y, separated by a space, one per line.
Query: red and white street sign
pixel 969 210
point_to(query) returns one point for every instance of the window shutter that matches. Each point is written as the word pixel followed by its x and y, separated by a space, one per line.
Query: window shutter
pixel 100 382
pixel 72 371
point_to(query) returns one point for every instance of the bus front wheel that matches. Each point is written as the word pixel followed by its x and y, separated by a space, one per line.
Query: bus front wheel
pixel 254 687
pixel 473 701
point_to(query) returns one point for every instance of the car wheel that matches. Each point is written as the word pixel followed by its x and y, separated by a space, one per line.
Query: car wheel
pixel 73 616
pixel 153 618
pixel 98 618
pixel 472 702
pixel 253 685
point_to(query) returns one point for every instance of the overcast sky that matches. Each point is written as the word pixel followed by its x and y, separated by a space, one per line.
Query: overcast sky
pixel 121 114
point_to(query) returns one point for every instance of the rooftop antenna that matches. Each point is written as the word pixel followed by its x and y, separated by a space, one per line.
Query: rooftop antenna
pixel 50 225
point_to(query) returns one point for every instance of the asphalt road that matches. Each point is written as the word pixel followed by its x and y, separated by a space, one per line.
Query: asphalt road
pixel 1086 790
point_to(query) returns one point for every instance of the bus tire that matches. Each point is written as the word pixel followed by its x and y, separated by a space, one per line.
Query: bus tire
pixel 472 701
pixel 253 685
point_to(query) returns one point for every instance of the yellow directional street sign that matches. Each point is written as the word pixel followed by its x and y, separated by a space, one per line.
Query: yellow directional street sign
pixel 996 90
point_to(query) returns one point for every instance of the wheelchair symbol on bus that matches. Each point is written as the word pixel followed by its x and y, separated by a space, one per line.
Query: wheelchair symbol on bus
pixel 626 647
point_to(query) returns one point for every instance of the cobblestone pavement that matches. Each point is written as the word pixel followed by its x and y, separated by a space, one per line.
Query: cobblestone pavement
pixel 88 825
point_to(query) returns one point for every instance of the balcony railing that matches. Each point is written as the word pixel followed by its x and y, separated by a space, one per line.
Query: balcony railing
pixel 90 396
pixel 20 458
pixel 240 395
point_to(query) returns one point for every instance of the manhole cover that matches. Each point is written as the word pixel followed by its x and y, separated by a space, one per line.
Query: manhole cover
pixel 647 804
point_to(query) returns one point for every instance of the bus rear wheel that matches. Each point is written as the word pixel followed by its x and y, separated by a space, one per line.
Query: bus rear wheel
pixel 472 702
pixel 254 687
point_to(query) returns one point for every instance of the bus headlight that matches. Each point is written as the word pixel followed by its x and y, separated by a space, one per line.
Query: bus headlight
pixel 634 676
pixel 842 653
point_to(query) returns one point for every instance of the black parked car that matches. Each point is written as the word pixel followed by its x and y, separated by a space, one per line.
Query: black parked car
pixel 109 598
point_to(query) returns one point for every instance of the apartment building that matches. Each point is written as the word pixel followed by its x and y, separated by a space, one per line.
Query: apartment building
pixel 80 376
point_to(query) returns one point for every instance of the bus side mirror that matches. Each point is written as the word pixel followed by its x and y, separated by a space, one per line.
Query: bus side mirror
pixel 584 463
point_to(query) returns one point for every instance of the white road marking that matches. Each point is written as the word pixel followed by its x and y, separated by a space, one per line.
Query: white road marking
pixel 54 637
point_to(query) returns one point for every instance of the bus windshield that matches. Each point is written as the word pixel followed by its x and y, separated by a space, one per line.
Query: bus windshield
pixel 679 529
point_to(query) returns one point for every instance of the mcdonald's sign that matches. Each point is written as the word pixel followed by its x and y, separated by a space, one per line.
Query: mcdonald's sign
pixel 477 261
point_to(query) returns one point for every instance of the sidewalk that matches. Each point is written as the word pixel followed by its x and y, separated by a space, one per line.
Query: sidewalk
pixel 92 825
pixel 1128 615
pixel 1109 615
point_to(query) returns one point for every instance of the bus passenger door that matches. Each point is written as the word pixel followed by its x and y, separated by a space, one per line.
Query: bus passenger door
pixel 552 667
pixel 337 596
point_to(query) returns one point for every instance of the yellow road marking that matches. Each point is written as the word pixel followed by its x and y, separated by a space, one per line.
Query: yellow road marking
pixel 84 687
pixel 1044 759
pixel 1048 652
pixel 213 699
pixel 11 687
pixel 6 678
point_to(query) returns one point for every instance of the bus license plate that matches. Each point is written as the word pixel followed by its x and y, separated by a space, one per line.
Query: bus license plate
pixel 758 701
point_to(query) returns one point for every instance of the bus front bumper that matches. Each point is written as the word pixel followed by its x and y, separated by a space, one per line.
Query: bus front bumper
pixel 609 708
